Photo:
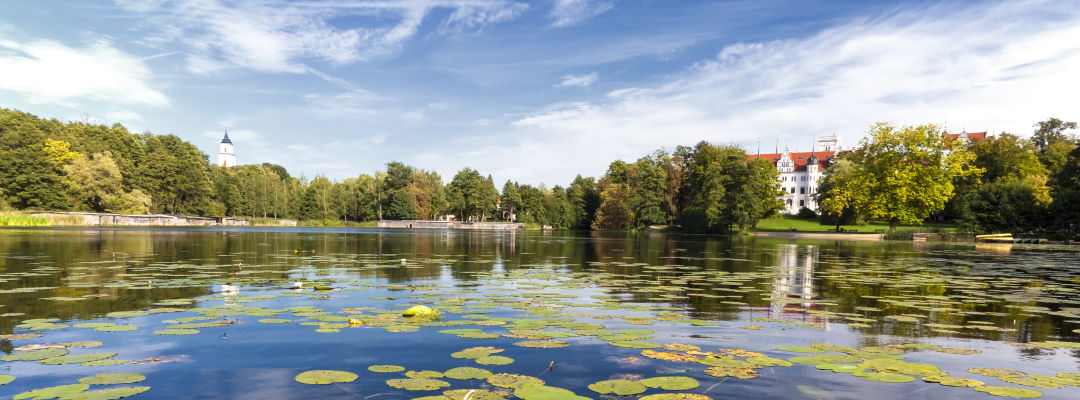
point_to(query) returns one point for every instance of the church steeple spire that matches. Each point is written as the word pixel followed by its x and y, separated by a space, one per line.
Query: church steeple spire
pixel 226 157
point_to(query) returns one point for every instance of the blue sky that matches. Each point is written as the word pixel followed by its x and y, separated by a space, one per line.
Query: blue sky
pixel 533 91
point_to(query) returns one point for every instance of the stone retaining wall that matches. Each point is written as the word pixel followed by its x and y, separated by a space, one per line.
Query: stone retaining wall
pixel 102 219
pixel 419 224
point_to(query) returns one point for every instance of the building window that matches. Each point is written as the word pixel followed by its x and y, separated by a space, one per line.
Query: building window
pixel 802 190
pixel 789 203
pixel 802 203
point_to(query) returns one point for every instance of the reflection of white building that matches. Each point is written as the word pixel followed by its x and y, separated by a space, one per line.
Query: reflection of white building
pixel 801 171
pixel 796 276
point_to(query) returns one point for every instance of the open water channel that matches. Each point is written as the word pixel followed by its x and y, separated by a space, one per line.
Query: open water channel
pixel 246 313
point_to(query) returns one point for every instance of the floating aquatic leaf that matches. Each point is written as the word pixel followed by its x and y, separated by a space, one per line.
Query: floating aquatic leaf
pixel 741 373
pixel 105 362
pixel 801 349
pixel 417 384
pixel 76 358
pixel 950 381
pixel 107 394
pixel 884 377
pixel 727 362
pixel 635 344
pixel 424 374
pixel 386 368
pixel 35 355
pixel 671 382
pixel 542 344
pixel 52 392
pixel 275 320
pixel 1005 391
pixel 110 379
pixel 176 332
pixel 325 377
pixel 420 311
pixel 463 373
pixel 6 379
pixel 995 372
pixel 474 394
pixel 476 352
pixel 676 396
pixel 621 387
pixel 537 392
pixel 769 361
pixel 494 360
pixel 512 381
pixel 116 328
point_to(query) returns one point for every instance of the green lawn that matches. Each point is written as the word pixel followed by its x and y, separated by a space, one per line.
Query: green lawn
pixel 783 224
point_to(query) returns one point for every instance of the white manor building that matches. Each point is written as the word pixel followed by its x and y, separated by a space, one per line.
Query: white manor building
pixel 226 157
pixel 800 172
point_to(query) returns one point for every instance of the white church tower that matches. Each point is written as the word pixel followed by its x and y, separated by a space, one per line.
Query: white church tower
pixel 226 157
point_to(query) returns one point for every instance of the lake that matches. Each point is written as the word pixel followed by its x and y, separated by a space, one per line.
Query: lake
pixel 243 313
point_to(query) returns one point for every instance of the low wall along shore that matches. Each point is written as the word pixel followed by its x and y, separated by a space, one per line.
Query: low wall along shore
pixel 418 224
pixel 102 219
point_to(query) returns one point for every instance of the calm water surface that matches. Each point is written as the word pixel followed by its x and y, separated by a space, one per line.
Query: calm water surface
pixel 1014 308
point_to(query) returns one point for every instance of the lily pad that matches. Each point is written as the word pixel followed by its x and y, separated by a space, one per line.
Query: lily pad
pixel 6 379
pixel 769 362
pixel 417 384
pixel 494 360
pixel 476 352
pixel 671 382
pixel 676 396
pixel 107 394
pixel 176 332
pixel 734 372
pixel 950 381
pixel 887 377
pixel 462 373
pixel 76 358
pixel 52 392
pixel 112 379
pixel 474 394
pixel 635 344
pixel 34 355
pixel 1005 391
pixel 621 387
pixel 536 392
pixel 800 349
pixel 513 381
pixel 325 377
pixel 386 368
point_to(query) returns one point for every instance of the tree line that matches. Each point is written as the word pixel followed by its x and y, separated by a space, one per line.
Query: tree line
pixel 1003 183
pixel 897 174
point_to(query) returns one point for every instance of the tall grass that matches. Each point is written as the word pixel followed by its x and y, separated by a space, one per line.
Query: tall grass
pixel 8 218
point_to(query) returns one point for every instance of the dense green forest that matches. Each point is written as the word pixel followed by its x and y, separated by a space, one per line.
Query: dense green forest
pixel 52 165
pixel 1004 183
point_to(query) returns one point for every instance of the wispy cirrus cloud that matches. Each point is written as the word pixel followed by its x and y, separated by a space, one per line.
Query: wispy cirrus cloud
pixel 571 12
pixel 49 72
pixel 578 80
pixel 1005 71
pixel 279 36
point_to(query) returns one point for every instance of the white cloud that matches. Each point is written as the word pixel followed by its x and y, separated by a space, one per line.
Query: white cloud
pixel 48 72
pixel 1007 66
pixel 572 12
pixel 281 36
pixel 578 80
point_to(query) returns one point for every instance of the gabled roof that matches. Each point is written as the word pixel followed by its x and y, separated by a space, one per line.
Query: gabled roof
pixel 970 135
pixel 799 159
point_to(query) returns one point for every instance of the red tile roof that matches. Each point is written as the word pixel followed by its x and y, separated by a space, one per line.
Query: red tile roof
pixel 800 159
pixel 970 135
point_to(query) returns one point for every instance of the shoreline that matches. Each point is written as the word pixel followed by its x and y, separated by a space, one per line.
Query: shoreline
pixel 822 235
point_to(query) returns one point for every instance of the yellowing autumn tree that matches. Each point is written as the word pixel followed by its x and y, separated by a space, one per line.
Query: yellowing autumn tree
pixel 901 174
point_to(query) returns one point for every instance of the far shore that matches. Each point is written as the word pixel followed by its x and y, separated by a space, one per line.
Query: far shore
pixel 822 235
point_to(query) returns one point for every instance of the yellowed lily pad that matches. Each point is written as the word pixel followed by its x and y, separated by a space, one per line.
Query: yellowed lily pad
pixel 1005 391
pixel 671 382
pixel 325 377
pixel 513 381
pixel 112 379
pixel 52 392
pixel 386 368
pixel 537 392
pixel 417 384
pixel 462 373
pixel 107 394
pixel 621 387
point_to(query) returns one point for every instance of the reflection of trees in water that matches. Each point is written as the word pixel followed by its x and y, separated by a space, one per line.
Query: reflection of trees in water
pixel 87 260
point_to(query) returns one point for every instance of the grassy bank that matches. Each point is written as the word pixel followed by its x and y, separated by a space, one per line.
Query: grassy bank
pixel 786 223
pixel 337 223
pixel 14 218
